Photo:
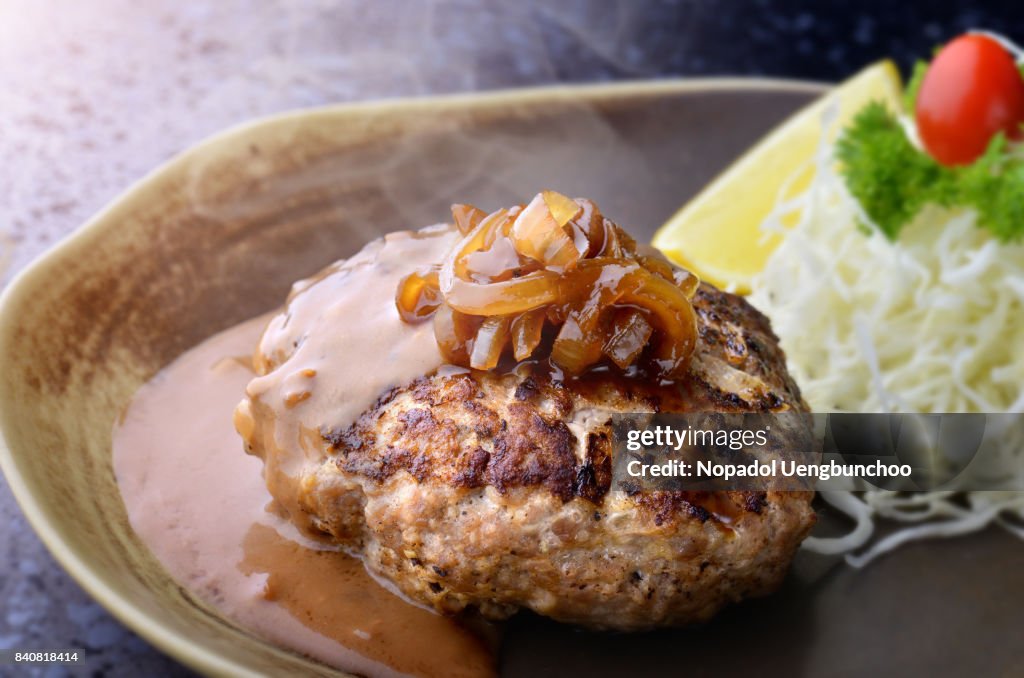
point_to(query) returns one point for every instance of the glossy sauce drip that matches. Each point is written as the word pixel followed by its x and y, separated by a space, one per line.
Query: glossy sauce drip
pixel 554 262
pixel 198 502
pixel 326 358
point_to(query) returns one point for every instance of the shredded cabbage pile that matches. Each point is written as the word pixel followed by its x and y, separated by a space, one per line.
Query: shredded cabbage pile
pixel 931 323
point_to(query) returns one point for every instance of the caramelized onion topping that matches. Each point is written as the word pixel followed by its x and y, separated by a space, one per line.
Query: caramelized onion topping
pixel 554 276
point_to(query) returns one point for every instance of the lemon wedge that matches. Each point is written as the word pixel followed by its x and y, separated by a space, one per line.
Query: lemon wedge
pixel 717 235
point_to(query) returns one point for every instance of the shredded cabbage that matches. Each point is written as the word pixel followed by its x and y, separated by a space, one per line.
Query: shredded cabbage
pixel 931 323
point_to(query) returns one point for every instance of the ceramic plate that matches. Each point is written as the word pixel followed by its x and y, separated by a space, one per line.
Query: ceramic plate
pixel 218 235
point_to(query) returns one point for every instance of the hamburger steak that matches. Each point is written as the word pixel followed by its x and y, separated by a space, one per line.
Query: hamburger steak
pixel 492 489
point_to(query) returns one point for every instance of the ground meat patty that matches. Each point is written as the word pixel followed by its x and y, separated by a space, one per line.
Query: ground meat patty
pixel 492 491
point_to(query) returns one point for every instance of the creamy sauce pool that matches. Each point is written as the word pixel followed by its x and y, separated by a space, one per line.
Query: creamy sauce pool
pixel 338 345
pixel 200 503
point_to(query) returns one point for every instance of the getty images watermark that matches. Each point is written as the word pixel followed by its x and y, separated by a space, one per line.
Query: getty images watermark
pixel 800 451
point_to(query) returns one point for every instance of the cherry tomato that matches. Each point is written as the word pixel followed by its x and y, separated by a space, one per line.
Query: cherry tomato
pixel 972 90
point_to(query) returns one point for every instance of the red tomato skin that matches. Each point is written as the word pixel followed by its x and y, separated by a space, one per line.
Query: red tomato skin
pixel 972 90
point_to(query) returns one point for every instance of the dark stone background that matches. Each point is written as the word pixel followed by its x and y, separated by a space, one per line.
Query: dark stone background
pixel 94 94
pixel 823 40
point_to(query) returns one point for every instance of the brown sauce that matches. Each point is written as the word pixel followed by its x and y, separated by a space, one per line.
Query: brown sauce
pixel 369 619
pixel 199 503
pixel 326 358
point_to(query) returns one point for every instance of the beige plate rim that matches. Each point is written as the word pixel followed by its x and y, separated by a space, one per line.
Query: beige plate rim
pixel 167 640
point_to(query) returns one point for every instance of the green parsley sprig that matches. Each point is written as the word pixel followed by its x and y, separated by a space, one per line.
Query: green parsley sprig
pixel 893 180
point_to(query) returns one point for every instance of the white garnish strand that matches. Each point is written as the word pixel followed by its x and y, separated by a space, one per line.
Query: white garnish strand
pixel 933 323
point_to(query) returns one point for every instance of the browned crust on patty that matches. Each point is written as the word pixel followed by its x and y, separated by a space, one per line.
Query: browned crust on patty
pixel 509 430
pixel 493 490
